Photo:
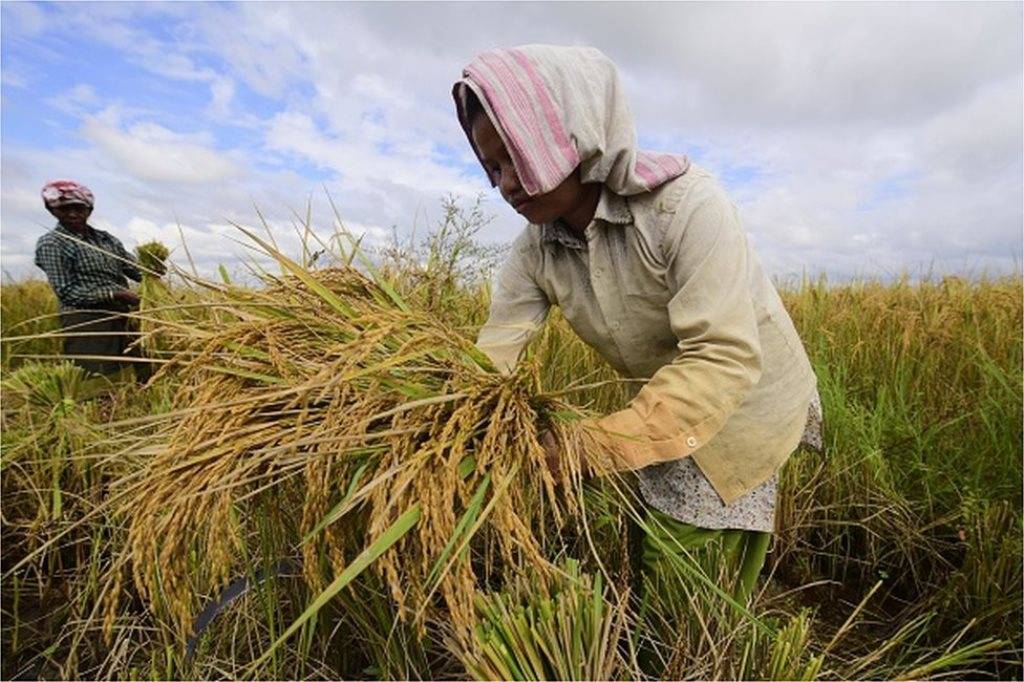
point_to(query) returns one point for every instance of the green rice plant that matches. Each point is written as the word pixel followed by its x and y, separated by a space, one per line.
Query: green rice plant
pixel 47 387
pixel 942 364
pixel 920 384
pixel 28 311
pixel 986 587
pixel 549 628
pixel 52 426
pixel 54 483
pixel 370 627
pixel 785 656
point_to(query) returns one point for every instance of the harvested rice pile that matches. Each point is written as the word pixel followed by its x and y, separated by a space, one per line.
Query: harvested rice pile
pixel 363 427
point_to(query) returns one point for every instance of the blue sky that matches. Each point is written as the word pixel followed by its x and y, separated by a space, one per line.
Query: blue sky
pixel 855 138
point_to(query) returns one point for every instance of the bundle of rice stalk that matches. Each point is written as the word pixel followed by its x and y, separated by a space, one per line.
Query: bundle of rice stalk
pixel 155 298
pixel 563 629
pixel 387 432
pixel 151 256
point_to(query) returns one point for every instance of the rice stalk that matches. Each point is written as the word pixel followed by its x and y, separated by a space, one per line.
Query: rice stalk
pixel 541 629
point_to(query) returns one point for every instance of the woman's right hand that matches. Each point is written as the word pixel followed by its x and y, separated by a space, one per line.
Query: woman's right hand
pixel 552 453
pixel 126 296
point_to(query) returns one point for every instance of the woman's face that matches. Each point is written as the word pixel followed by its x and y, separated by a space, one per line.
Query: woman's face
pixel 543 208
pixel 74 216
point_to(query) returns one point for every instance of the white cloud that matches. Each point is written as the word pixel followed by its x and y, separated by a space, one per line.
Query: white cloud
pixel 24 20
pixel 360 163
pixel 222 93
pixel 77 101
pixel 152 152
pixel 13 79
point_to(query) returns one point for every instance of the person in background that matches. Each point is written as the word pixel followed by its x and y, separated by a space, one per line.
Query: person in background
pixel 89 270
pixel 646 257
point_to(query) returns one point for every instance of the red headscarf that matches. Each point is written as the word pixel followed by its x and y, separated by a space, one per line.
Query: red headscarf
pixel 64 192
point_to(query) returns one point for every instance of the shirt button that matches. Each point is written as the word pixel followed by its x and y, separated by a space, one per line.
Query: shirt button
pixel 691 441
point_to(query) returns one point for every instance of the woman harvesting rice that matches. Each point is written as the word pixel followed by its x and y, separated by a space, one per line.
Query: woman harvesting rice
pixel 645 255
pixel 89 270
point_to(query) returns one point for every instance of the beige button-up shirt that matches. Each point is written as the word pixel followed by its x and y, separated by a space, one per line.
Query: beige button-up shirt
pixel 666 287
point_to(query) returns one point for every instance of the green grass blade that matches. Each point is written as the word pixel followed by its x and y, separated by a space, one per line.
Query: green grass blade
pixel 468 518
pixel 335 512
pixel 393 534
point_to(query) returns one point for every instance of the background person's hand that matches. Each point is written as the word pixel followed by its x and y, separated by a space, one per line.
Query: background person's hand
pixel 126 296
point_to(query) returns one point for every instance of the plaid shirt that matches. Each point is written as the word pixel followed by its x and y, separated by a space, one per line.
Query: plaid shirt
pixel 85 271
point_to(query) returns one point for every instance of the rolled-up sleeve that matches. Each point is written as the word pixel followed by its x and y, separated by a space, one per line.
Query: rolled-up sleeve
pixel 712 314
pixel 518 309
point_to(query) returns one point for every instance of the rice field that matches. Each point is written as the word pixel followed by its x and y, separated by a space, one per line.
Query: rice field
pixel 325 479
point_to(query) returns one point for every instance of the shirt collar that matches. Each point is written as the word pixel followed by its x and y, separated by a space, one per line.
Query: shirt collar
pixel 558 232
pixel 612 209
pixel 90 230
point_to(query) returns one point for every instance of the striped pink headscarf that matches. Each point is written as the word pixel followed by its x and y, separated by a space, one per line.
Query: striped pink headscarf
pixel 561 107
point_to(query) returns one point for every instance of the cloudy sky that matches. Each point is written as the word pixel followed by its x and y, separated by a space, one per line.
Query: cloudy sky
pixel 857 139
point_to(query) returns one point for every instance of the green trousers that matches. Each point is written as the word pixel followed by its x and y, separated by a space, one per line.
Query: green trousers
pixel 738 554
